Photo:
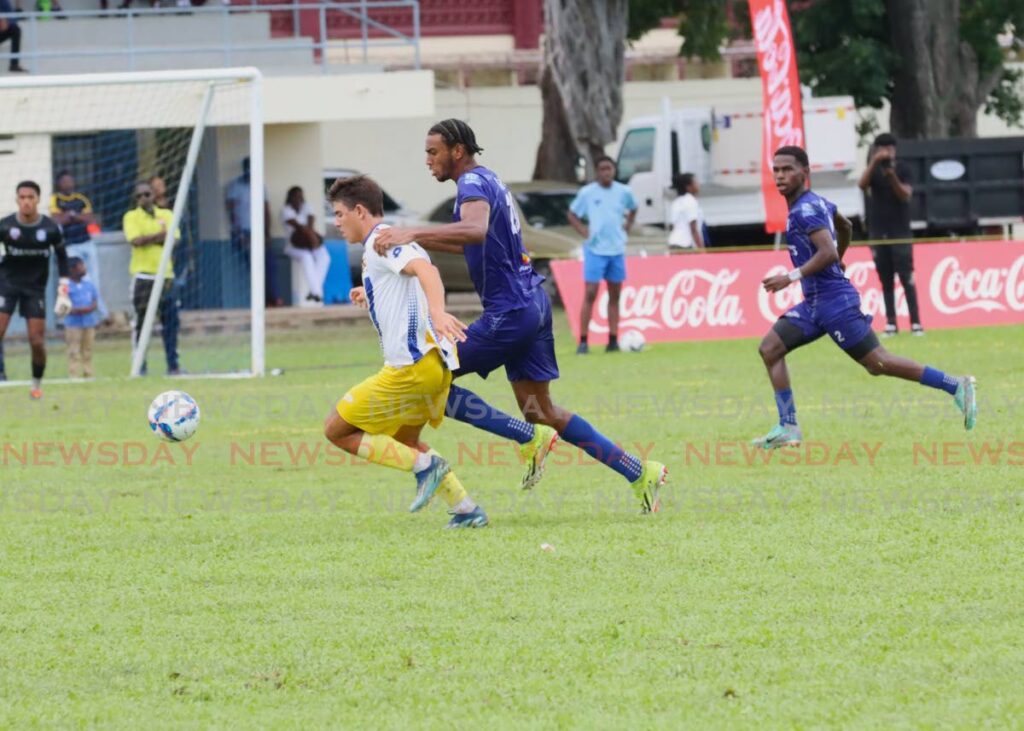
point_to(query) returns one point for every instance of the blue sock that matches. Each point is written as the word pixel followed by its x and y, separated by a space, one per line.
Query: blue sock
pixel 786 405
pixel 937 379
pixel 467 407
pixel 579 432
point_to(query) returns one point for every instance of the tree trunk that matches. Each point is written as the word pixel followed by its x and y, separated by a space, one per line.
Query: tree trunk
pixel 556 155
pixel 584 53
pixel 938 87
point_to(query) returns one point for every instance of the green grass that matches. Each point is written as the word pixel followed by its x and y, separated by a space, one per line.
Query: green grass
pixel 882 592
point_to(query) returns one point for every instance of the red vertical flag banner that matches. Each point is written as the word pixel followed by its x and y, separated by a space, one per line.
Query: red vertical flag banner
pixel 780 84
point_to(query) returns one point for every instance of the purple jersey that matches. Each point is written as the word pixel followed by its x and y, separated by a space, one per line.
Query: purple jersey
pixel 499 267
pixel 810 213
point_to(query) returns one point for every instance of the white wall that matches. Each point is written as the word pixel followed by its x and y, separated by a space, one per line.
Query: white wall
pixel 29 159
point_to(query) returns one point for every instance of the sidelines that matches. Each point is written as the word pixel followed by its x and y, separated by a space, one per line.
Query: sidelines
pixel 712 296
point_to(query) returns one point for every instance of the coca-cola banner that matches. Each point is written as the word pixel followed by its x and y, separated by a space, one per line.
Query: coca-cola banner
pixel 780 98
pixel 715 296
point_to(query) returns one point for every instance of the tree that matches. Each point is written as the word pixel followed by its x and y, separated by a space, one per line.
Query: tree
pixel 581 83
pixel 937 62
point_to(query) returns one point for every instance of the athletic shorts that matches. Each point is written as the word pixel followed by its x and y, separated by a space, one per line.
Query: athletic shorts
pixel 520 340
pixel 395 397
pixel 842 321
pixel 29 301
pixel 598 266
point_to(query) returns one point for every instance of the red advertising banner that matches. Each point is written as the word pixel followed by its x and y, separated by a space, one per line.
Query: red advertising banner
pixel 780 98
pixel 719 296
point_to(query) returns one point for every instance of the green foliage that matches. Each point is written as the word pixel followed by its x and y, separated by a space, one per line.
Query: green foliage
pixel 1007 101
pixel 647 14
pixel 844 47
pixel 706 24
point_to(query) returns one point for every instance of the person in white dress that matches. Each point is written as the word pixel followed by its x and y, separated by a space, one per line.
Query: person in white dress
pixel 686 216
pixel 305 245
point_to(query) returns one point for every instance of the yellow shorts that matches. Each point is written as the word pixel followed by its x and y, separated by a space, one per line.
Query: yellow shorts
pixel 396 397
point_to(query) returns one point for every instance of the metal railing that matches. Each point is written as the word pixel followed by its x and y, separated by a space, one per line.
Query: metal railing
pixel 319 43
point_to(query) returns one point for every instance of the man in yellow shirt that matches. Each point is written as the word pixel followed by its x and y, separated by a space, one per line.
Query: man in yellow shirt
pixel 145 228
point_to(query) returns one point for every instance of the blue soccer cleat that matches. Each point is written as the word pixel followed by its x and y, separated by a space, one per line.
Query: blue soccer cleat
pixel 781 435
pixel 427 482
pixel 967 402
pixel 475 518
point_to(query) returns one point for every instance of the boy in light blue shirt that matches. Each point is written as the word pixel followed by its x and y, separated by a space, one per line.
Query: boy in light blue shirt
pixel 603 212
pixel 80 324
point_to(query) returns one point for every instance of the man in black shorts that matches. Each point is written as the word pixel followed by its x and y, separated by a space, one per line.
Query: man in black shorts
pixel 27 238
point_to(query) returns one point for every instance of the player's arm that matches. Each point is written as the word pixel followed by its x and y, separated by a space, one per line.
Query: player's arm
pixel 577 223
pixel 446 325
pixel 62 306
pixel 865 177
pixel 472 229
pixel 825 255
pixel 844 233
pixel 630 219
pixel 902 190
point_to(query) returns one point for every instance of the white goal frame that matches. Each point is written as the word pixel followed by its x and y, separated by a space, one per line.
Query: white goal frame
pixel 213 77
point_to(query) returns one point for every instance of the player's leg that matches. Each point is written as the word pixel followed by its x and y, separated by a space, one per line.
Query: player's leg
pixel 614 276
pixel 36 327
pixel 886 273
pixel 5 318
pixel 531 373
pixel 614 292
pixel 794 329
pixel 141 289
pixel 170 323
pixel 880 362
pixel 376 448
pixel 586 312
pixel 463 509
pixel 903 265
pixel 646 478
pixel 489 341
pixel 88 337
pixel 73 338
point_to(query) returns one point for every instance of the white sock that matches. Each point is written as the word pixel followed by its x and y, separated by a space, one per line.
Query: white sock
pixel 422 462
pixel 466 505
pixel 37 383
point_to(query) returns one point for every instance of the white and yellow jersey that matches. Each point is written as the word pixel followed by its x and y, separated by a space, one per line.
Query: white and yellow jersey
pixel 398 306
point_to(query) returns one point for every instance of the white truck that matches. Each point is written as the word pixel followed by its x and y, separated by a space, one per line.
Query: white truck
pixel 723 149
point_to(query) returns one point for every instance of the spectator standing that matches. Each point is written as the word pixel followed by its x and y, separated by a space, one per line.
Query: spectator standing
pixel 603 212
pixel 237 199
pixel 11 31
pixel 145 228
pixel 80 324
pixel 305 244
pixel 73 211
pixel 687 218
pixel 887 194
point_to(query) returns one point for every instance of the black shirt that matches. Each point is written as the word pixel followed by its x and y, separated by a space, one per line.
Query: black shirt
pixel 77 232
pixel 26 251
pixel 888 216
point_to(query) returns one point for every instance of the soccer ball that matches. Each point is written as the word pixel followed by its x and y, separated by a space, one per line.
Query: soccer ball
pixel 632 341
pixel 174 416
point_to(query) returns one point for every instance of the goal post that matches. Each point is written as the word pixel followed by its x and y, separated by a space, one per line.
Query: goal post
pixel 50 120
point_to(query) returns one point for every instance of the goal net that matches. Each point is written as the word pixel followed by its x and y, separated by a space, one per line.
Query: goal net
pixel 191 300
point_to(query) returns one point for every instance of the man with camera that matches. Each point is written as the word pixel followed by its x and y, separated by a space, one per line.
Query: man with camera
pixel 887 195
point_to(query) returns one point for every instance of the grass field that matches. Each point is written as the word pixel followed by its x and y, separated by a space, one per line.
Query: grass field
pixel 871 579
